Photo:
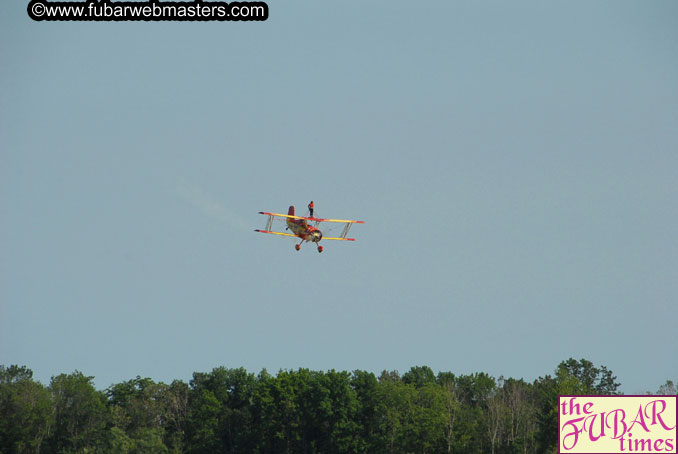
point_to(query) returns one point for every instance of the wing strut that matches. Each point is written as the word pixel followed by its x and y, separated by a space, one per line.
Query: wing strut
pixel 347 227
pixel 269 223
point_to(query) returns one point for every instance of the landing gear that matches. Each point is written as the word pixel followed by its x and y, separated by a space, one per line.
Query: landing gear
pixel 297 246
pixel 320 248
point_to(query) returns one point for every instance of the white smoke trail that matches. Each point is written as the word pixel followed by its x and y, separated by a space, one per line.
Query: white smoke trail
pixel 210 206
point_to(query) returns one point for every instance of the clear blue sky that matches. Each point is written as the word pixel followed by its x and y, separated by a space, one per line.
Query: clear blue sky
pixel 516 165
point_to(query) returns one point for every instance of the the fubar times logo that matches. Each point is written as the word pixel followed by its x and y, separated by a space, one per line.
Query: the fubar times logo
pixel 617 424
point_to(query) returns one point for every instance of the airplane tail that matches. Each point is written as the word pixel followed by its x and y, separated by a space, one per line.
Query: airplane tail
pixel 290 212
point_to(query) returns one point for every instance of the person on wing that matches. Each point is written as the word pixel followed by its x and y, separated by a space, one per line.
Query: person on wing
pixel 310 208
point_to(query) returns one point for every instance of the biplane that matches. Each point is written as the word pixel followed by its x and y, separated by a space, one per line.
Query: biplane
pixel 301 227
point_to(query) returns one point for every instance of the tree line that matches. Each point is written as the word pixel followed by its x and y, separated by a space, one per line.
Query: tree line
pixel 296 411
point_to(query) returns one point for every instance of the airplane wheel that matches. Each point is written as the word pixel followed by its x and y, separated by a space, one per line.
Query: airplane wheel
pixel 320 248
pixel 297 247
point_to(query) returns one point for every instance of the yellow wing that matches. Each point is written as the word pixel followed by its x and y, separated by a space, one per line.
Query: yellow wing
pixel 311 219
pixel 337 220
pixel 273 233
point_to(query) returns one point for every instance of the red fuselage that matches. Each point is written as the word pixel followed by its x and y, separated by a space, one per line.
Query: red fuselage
pixel 302 229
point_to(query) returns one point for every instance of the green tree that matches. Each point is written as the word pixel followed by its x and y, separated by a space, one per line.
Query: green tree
pixel 668 389
pixel 220 417
pixel 303 411
pixel 149 440
pixel 342 402
pixel 117 442
pixel 138 407
pixel 276 413
pixel 583 377
pixel 572 377
pixel 25 411
pixel 495 415
pixel 413 418
pixel 429 418
pixel 368 439
pixel 203 422
pixel 473 392
pixel 395 402
pixel 175 403
pixel 80 413
pixel 141 400
pixel 447 383
pixel 419 376
pixel 522 413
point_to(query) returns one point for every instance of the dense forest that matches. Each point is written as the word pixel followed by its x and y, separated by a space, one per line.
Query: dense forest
pixel 302 411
